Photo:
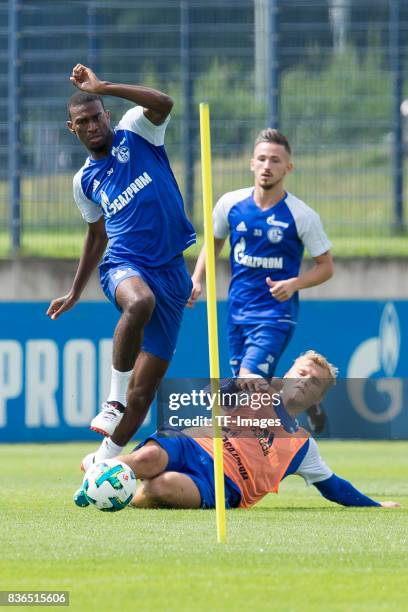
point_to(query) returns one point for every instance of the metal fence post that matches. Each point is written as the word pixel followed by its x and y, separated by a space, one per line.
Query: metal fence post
pixel 397 120
pixel 14 118
pixel 273 62
pixel 91 15
pixel 187 132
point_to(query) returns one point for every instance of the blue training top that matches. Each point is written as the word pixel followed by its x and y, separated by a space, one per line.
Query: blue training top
pixel 135 190
pixel 265 243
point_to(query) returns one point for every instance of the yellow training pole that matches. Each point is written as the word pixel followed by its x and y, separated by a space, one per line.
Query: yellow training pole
pixel 212 316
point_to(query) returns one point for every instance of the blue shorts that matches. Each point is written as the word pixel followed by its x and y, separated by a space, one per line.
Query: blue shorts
pixel 187 457
pixel 171 286
pixel 257 346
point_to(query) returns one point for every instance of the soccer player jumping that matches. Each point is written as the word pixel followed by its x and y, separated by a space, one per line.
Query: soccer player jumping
pixel 127 193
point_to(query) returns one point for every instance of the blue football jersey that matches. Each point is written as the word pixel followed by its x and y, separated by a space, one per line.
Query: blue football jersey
pixel 265 243
pixel 135 190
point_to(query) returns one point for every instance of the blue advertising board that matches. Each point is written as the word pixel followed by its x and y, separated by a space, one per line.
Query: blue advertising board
pixel 54 374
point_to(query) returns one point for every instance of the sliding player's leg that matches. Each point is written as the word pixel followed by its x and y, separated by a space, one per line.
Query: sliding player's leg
pixel 187 480
pixel 169 490
pixel 148 461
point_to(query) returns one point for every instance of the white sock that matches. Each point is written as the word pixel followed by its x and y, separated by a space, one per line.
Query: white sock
pixel 119 385
pixel 108 450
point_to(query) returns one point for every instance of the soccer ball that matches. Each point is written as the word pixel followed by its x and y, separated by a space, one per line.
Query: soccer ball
pixel 109 485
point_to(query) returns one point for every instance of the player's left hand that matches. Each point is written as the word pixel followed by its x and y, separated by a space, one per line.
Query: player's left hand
pixel 282 290
pixel 85 79
pixel 390 504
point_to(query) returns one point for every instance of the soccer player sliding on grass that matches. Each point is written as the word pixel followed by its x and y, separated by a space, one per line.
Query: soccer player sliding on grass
pixel 177 471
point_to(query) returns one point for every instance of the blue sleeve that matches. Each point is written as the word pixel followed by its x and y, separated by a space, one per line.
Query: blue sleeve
pixel 342 492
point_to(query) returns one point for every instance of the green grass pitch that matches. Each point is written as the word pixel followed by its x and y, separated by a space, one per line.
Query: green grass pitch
pixel 294 551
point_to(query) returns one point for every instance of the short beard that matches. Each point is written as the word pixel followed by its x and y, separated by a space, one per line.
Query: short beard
pixel 105 146
pixel 269 186
pixel 99 149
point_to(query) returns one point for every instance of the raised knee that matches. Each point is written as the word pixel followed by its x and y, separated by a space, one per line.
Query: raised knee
pixel 140 308
pixel 149 454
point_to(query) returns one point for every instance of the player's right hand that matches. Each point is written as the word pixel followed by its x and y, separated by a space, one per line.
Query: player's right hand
pixel 255 384
pixel 60 305
pixel 195 294
pixel 85 79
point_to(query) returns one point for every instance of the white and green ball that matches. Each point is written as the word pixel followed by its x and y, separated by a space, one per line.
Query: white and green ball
pixel 109 485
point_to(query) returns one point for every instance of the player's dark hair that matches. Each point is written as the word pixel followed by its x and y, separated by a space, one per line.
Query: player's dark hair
pixel 274 136
pixel 82 97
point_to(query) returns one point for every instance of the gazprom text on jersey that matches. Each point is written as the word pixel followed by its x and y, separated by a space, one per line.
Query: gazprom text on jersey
pixel 111 208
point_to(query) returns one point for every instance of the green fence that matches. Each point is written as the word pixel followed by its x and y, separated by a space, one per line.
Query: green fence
pixel 328 72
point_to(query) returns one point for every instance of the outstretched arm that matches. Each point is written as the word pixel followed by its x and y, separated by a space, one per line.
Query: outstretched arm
pixel 157 105
pixel 342 492
pixel 94 246
pixel 314 470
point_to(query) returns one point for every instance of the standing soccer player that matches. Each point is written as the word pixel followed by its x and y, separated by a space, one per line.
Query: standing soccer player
pixel 268 229
pixel 127 193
